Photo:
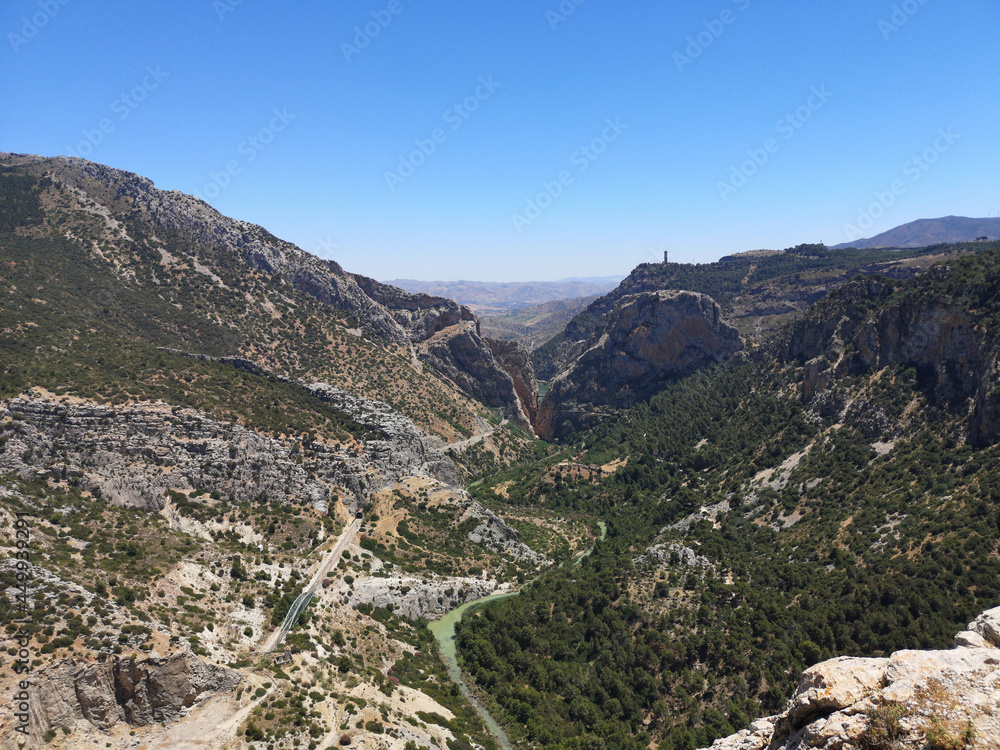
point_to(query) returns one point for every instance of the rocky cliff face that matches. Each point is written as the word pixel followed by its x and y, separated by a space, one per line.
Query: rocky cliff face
pixel 643 343
pixel 414 597
pixel 912 699
pixel 137 692
pixel 496 373
pixel 513 359
pixel 494 533
pixel 132 455
pixel 863 328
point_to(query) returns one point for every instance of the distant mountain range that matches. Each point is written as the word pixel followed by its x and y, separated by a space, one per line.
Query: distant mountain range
pixel 924 232
pixel 534 325
pixel 499 297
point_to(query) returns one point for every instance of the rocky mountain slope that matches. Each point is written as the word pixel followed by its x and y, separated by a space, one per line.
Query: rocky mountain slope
pixel 183 540
pixel 222 287
pixel 642 343
pixel 191 413
pixel 757 292
pixel 868 326
pixel 135 455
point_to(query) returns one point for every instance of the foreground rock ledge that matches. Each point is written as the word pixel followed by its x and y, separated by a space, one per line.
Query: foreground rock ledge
pixel 948 698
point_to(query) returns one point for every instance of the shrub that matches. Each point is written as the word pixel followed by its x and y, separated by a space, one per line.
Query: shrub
pixel 885 730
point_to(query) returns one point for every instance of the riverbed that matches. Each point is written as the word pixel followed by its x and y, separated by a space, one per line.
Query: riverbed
pixel 443 630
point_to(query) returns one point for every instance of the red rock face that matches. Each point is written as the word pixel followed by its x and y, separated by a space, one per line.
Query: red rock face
pixel 514 360
pixel 497 373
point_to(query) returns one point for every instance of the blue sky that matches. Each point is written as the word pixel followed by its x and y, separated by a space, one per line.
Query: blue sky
pixel 538 140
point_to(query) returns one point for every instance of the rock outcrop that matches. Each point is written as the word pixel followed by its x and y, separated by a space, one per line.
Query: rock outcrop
pixel 902 701
pixel 415 597
pixel 861 328
pixel 132 455
pixel 514 360
pixel 399 448
pixel 486 370
pixel 138 692
pixel 494 534
pixel 645 342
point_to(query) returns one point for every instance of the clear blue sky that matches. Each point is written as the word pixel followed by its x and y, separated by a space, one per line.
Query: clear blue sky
pixel 699 157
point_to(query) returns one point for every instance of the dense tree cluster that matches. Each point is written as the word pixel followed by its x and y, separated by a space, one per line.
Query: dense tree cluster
pixel 803 542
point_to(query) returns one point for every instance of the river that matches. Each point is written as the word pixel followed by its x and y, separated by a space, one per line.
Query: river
pixel 443 630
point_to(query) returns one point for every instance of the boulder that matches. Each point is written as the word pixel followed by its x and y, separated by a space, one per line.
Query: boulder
pixel 835 684
pixel 950 692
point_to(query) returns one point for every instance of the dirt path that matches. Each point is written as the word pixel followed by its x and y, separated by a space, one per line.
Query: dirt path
pixel 211 726
pixel 485 431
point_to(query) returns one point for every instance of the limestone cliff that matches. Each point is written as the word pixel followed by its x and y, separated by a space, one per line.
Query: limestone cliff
pixel 412 596
pixel 866 326
pixel 496 373
pixel 645 341
pixel 912 699
pixel 132 455
pixel 513 359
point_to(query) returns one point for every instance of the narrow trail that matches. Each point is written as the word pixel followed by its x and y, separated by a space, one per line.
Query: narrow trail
pixel 486 430
pixel 331 560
